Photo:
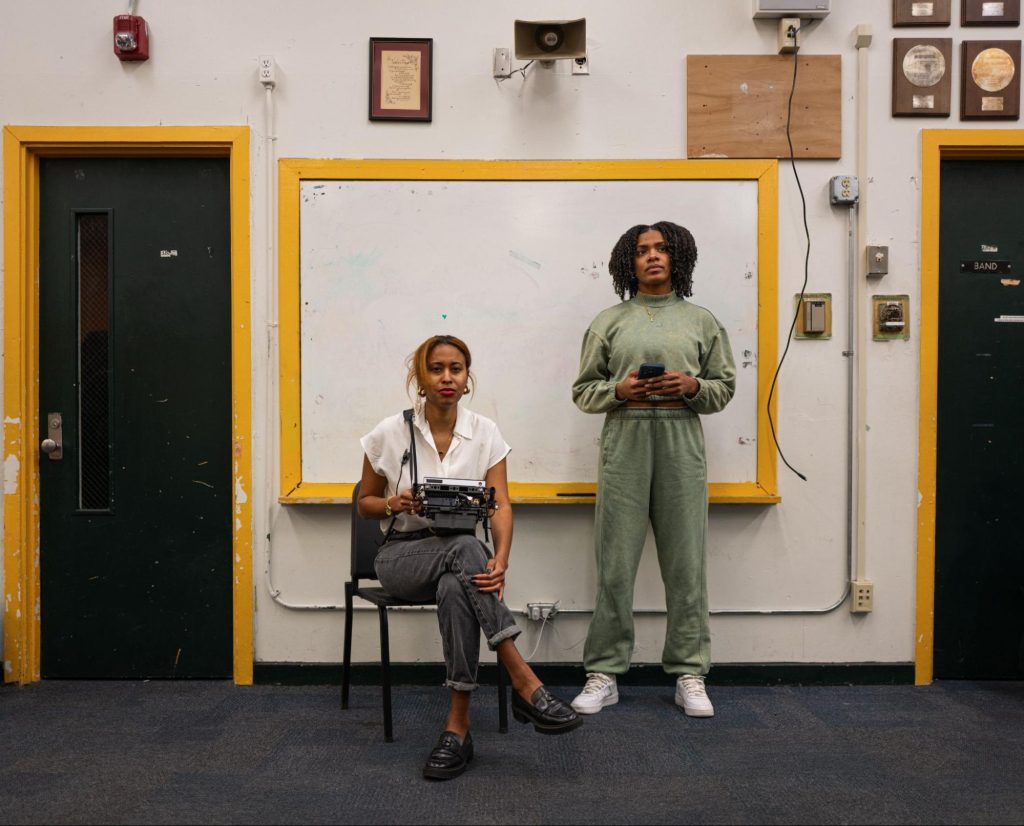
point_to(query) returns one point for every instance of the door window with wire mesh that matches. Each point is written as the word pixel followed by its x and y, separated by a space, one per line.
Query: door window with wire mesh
pixel 93 254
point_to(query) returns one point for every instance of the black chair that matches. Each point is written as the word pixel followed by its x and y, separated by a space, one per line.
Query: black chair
pixel 366 541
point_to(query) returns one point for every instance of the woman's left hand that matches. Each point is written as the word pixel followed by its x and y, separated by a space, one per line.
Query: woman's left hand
pixel 673 383
pixel 493 579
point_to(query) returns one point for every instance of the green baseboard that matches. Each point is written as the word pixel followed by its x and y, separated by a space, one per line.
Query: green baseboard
pixel 569 674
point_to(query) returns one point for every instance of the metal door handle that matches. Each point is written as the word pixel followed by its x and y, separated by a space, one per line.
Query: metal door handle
pixel 53 444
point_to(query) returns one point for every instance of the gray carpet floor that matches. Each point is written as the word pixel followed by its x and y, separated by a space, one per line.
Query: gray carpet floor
pixel 210 752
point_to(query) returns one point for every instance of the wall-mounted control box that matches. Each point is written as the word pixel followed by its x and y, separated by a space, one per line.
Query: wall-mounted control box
pixel 814 315
pixel 889 317
pixel 792 8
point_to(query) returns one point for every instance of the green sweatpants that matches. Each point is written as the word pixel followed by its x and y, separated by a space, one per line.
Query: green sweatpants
pixel 652 466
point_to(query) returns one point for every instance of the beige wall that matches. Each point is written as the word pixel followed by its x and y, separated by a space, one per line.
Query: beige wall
pixel 787 556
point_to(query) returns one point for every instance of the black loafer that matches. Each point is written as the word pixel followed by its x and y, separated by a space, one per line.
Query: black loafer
pixel 548 714
pixel 450 758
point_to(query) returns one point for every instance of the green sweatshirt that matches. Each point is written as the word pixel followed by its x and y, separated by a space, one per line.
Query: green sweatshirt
pixel 655 328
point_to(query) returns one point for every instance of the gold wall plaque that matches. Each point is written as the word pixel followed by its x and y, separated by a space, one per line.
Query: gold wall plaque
pixel 990 79
pixel 993 70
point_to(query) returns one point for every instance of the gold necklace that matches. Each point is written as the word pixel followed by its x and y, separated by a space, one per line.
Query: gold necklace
pixel 441 453
pixel 647 309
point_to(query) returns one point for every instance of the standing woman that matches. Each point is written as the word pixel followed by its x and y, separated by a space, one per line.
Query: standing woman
pixel 652 457
pixel 417 563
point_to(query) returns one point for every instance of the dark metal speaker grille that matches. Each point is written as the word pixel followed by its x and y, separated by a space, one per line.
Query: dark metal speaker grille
pixel 93 361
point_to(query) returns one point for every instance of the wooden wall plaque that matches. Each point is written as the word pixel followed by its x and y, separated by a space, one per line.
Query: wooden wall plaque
pixel 922 70
pixel 989 13
pixel 736 106
pixel 990 80
pixel 920 12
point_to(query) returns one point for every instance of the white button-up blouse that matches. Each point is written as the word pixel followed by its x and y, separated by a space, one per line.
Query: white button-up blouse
pixel 476 447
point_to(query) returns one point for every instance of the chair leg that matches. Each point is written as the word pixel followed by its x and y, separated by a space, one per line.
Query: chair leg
pixel 346 658
pixel 502 704
pixel 385 671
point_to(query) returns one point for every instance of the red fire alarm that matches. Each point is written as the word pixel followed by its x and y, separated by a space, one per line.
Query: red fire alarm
pixel 131 37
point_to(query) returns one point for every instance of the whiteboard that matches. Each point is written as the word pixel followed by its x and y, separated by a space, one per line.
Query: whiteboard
pixel 517 269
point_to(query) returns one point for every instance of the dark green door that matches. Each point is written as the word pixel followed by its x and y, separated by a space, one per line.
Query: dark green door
pixel 979 553
pixel 135 522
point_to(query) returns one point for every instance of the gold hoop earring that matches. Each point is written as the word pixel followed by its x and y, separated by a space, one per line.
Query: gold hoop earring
pixel 421 392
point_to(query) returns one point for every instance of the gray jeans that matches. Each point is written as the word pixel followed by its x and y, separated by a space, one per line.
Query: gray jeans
pixel 442 568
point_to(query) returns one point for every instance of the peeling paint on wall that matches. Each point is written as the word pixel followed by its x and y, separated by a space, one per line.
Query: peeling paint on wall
pixel 241 497
pixel 12 467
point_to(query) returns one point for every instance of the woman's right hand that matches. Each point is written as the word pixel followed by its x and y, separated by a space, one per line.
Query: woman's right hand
pixel 403 502
pixel 631 388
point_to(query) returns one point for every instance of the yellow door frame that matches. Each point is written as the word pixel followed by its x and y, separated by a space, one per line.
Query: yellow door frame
pixel 23 147
pixel 938 145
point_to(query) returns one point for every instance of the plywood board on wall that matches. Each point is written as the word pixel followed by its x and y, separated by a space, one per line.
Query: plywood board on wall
pixel 736 106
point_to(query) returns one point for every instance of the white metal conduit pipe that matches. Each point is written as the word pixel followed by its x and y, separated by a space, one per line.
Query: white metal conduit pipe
pixel 863 39
pixel 856 240
pixel 269 428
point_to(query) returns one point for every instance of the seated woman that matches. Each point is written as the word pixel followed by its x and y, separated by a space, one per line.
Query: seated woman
pixel 418 563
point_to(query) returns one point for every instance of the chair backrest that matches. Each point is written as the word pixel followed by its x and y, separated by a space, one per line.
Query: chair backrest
pixel 367 538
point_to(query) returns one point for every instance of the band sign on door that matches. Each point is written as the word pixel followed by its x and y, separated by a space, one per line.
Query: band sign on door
pixel 997 267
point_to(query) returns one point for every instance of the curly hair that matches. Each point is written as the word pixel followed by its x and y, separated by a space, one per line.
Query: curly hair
pixel 682 252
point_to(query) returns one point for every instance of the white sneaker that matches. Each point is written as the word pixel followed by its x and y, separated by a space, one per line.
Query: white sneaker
pixel 692 697
pixel 600 691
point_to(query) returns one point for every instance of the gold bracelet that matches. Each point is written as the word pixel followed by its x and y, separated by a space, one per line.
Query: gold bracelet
pixel 387 507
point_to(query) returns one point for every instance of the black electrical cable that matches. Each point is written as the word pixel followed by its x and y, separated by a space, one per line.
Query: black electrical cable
pixel 807 256
pixel 521 70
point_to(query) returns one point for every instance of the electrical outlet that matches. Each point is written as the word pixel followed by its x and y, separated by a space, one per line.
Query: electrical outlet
pixel 267 70
pixel 502 63
pixel 538 611
pixel 581 66
pixel 863 596
pixel 844 189
pixel 789 34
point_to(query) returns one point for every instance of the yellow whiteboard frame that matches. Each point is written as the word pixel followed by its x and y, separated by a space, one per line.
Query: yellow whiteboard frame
pixel 23 146
pixel 293 171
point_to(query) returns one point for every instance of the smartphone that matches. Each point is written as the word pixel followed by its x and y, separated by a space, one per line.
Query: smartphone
pixel 650 371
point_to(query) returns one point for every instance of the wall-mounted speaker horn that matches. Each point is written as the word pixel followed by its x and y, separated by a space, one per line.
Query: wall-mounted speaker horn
pixel 551 39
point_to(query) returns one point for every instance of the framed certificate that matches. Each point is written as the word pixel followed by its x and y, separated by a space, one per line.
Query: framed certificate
pixel 921 76
pixel 401 78
pixel 990 80
pixel 990 12
pixel 920 12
